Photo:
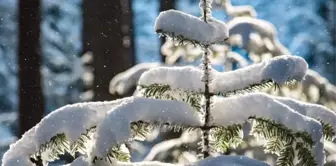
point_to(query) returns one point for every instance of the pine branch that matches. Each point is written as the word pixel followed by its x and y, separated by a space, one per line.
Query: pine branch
pixel 117 153
pixel 257 87
pixel 281 140
pixel 164 126
pixel 159 91
pixel 57 145
pixel 286 156
pixel 226 137
pixel 60 144
pixel 140 130
pixel 304 156
pixel 179 39
pixel 328 131
pixel 80 144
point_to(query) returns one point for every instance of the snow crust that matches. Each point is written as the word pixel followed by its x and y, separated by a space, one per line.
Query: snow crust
pixel 186 77
pixel 279 69
pixel 315 111
pixel 116 127
pixel 235 110
pixel 229 161
pixel 186 25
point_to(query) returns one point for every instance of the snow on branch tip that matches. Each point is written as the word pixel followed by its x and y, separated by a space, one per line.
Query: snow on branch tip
pixel 64 125
pixel 186 27
pixel 279 70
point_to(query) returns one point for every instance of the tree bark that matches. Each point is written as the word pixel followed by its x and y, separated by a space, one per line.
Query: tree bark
pixel 31 100
pixel 165 5
pixel 107 33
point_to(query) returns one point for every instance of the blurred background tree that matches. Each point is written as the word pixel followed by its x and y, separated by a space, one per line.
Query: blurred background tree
pixel 31 100
pixel 107 33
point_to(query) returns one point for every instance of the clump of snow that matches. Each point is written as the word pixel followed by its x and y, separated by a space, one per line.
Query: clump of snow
pixel 235 110
pixel 186 77
pixel 190 27
pixel 19 152
pixel 311 110
pixel 229 161
pixel 284 68
pixel 116 127
pixel 279 69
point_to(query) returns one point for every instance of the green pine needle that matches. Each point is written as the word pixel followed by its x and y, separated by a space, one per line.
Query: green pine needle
pixel 251 88
pixel 59 145
pixel 119 153
pixel 226 137
pixel 159 91
pixel 80 144
pixel 281 140
pixel 304 155
pixel 140 130
pixel 328 131
pixel 257 87
pixel 286 156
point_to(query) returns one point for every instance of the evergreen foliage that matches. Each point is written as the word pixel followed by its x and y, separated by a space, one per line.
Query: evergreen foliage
pixel 281 140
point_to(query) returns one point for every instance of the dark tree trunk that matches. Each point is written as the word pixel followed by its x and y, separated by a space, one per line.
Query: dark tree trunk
pixel 165 5
pixel 31 100
pixel 107 33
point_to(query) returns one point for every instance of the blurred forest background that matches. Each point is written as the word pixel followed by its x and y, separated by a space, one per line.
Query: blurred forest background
pixel 57 52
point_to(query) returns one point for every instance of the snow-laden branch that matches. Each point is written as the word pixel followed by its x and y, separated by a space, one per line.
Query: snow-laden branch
pixel 279 70
pixel 315 111
pixel 236 110
pixel 186 77
pixel 116 127
pixel 177 24
pixel 71 120
pixel 125 81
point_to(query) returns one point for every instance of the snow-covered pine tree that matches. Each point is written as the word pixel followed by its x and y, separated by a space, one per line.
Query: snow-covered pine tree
pixel 187 98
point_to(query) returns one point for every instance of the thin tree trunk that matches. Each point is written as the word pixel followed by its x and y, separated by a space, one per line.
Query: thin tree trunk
pixel 165 5
pixel 107 33
pixel 31 100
